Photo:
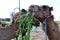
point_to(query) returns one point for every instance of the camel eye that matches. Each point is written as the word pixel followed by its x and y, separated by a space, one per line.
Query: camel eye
pixel 31 8
pixel 44 7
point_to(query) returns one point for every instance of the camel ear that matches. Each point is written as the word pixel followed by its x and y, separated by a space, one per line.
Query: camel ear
pixel 23 10
pixel 51 8
pixel 44 7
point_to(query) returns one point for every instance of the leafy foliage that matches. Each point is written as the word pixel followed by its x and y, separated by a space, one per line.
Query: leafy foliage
pixel 26 21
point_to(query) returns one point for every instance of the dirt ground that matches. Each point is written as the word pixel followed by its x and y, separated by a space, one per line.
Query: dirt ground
pixel 38 34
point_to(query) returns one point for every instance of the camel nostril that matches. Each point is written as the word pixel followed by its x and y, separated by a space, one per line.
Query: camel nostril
pixel 3 25
pixel 30 10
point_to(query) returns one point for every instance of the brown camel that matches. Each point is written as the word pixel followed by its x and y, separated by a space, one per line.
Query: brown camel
pixel 44 12
pixel 10 31
pixel 52 28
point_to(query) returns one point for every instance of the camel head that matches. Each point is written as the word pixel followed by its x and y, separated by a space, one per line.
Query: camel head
pixel 16 18
pixel 41 12
pixel 47 12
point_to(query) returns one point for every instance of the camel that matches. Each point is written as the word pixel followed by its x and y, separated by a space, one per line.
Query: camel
pixel 52 27
pixel 9 32
pixel 41 13
pixel 44 12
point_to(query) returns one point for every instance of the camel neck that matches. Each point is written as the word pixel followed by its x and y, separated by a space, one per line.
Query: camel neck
pixel 52 30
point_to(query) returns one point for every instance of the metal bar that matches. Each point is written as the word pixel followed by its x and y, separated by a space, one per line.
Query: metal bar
pixel 19 5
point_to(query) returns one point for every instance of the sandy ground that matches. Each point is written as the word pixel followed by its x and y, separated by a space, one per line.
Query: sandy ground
pixel 37 34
